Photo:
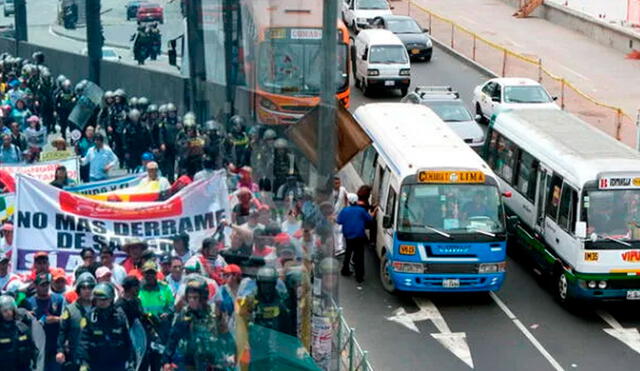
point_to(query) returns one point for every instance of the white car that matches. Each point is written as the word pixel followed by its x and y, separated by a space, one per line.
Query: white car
pixel 108 54
pixel 510 92
pixel 358 14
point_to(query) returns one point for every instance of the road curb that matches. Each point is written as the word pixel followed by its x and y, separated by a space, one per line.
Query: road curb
pixel 468 61
pixel 52 28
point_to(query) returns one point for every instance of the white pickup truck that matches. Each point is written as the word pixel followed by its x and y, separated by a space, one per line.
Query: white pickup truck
pixel 357 14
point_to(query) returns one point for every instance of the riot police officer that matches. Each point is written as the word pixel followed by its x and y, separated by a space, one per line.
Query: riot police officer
pixel 64 103
pixel 71 320
pixel 104 340
pixel 136 140
pixel 240 152
pixel 168 136
pixel 268 308
pixel 17 348
pixel 197 339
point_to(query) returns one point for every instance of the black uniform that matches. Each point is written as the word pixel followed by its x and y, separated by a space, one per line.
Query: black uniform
pixel 64 103
pixel 104 341
pixel 17 350
pixel 69 336
pixel 168 131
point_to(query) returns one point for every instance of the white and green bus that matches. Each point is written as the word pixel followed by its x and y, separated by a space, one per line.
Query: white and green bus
pixel 575 205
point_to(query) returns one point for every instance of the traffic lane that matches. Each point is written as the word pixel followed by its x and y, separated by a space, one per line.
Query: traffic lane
pixel 391 346
pixel 443 70
pixel 573 338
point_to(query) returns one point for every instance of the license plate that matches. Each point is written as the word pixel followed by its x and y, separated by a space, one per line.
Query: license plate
pixel 451 283
pixel 407 250
pixel 389 83
pixel 415 51
pixel 633 295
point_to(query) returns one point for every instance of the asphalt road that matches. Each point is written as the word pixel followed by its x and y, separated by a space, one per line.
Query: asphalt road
pixel 528 331
pixel 43 30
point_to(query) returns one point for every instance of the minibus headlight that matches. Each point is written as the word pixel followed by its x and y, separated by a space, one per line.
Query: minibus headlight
pixel 492 267
pixel 401 267
pixel 373 72
pixel 405 72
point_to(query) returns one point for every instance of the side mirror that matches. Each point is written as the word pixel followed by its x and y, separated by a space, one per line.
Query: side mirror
pixel 581 229
pixel 507 194
pixel 425 30
pixel 392 7
pixel 386 221
pixel 478 118
pixel 119 57
pixel 554 98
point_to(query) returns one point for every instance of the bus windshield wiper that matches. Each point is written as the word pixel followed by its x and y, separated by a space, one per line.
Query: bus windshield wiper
pixel 436 230
pixel 627 244
pixel 483 232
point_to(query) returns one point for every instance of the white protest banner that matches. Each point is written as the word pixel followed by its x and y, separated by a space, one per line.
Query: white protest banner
pixel 109 185
pixel 45 171
pixel 62 223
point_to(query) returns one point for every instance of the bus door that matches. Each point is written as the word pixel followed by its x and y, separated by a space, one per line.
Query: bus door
pixel 544 181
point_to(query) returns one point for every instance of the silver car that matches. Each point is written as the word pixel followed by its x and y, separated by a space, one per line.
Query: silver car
pixel 446 103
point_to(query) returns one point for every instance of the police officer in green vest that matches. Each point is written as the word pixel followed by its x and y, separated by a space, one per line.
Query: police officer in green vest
pixel 270 306
pixel 71 321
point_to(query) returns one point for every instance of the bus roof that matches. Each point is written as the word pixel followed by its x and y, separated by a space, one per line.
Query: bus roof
pixel 572 147
pixel 412 137
pixel 286 13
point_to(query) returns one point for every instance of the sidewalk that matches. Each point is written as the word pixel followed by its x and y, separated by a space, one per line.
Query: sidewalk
pixel 598 71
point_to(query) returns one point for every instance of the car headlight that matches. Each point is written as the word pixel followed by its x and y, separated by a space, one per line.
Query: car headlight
pixel 602 285
pixel 478 140
pixel 401 267
pixel 405 72
pixel 373 72
pixel 492 267
pixel 429 44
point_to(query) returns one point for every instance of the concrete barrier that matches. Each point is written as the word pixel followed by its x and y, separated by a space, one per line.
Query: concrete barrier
pixel 160 87
pixel 603 32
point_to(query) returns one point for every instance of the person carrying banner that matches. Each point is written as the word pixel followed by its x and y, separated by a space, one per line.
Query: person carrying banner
pixel 133 249
pixel 100 158
pixel 62 178
pixel 208 262
pixel 71 320
pixel 153 176
pixel 105 344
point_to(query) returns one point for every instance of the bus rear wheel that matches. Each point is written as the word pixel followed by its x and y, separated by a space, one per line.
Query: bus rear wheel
pixel 385 276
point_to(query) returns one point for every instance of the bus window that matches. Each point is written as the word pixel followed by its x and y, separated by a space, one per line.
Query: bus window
pixel 506 159
pixel 450 208
pixel 369 165
pixel 357 161
pixel 553 197
pixel 391 203
pixel 492 152
pixel 567 213
pixel 527 176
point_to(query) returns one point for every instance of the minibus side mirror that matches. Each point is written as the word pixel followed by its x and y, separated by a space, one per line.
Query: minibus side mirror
pixel 478 118
pixel 554 98
pixel 507 194
pixel 387 222
pixel 581 229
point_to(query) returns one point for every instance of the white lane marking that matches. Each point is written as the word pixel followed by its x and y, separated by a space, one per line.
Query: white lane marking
pixel 526 332
pixel 455 342
pixel 576 73
pixel 628 336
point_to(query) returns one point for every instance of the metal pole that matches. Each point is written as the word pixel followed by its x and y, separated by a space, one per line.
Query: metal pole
pixel 95 40
pixel 231 60
pixel 453 30
pixel 562 94
pixel 618 123
pixel 430 29
pixel 474 47
pixel 351 346
pixel 195 50
pixel 504 62
pixel 539 70
pixel 409 8
pixel 20 20
pixel 638 131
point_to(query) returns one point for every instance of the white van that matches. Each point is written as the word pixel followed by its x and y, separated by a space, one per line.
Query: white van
pixel 380 60
pixel 358 14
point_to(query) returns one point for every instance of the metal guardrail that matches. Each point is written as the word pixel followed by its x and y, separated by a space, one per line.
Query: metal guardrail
pixel 505 62
pixel 352 356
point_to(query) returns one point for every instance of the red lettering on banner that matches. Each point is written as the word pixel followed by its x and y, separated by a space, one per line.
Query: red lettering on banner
pixel 631 256
pixel 82 206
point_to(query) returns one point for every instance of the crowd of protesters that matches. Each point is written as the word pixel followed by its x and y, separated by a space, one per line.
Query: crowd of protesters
pixel 193 304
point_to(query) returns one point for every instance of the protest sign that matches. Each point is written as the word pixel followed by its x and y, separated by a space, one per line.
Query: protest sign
pixel 56 155
pixel 108 185
pixel 62 223
pixel 45 171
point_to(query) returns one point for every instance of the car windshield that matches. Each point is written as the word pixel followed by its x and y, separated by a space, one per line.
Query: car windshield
pixel 372 4
pixel 450 111
pixel 291 68
pixel 450 208
pixel 388 54
pixel 613 214
pixel 403 26
pixel 525 94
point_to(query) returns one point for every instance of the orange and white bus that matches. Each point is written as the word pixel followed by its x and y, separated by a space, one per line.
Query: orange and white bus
pixel 281 42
